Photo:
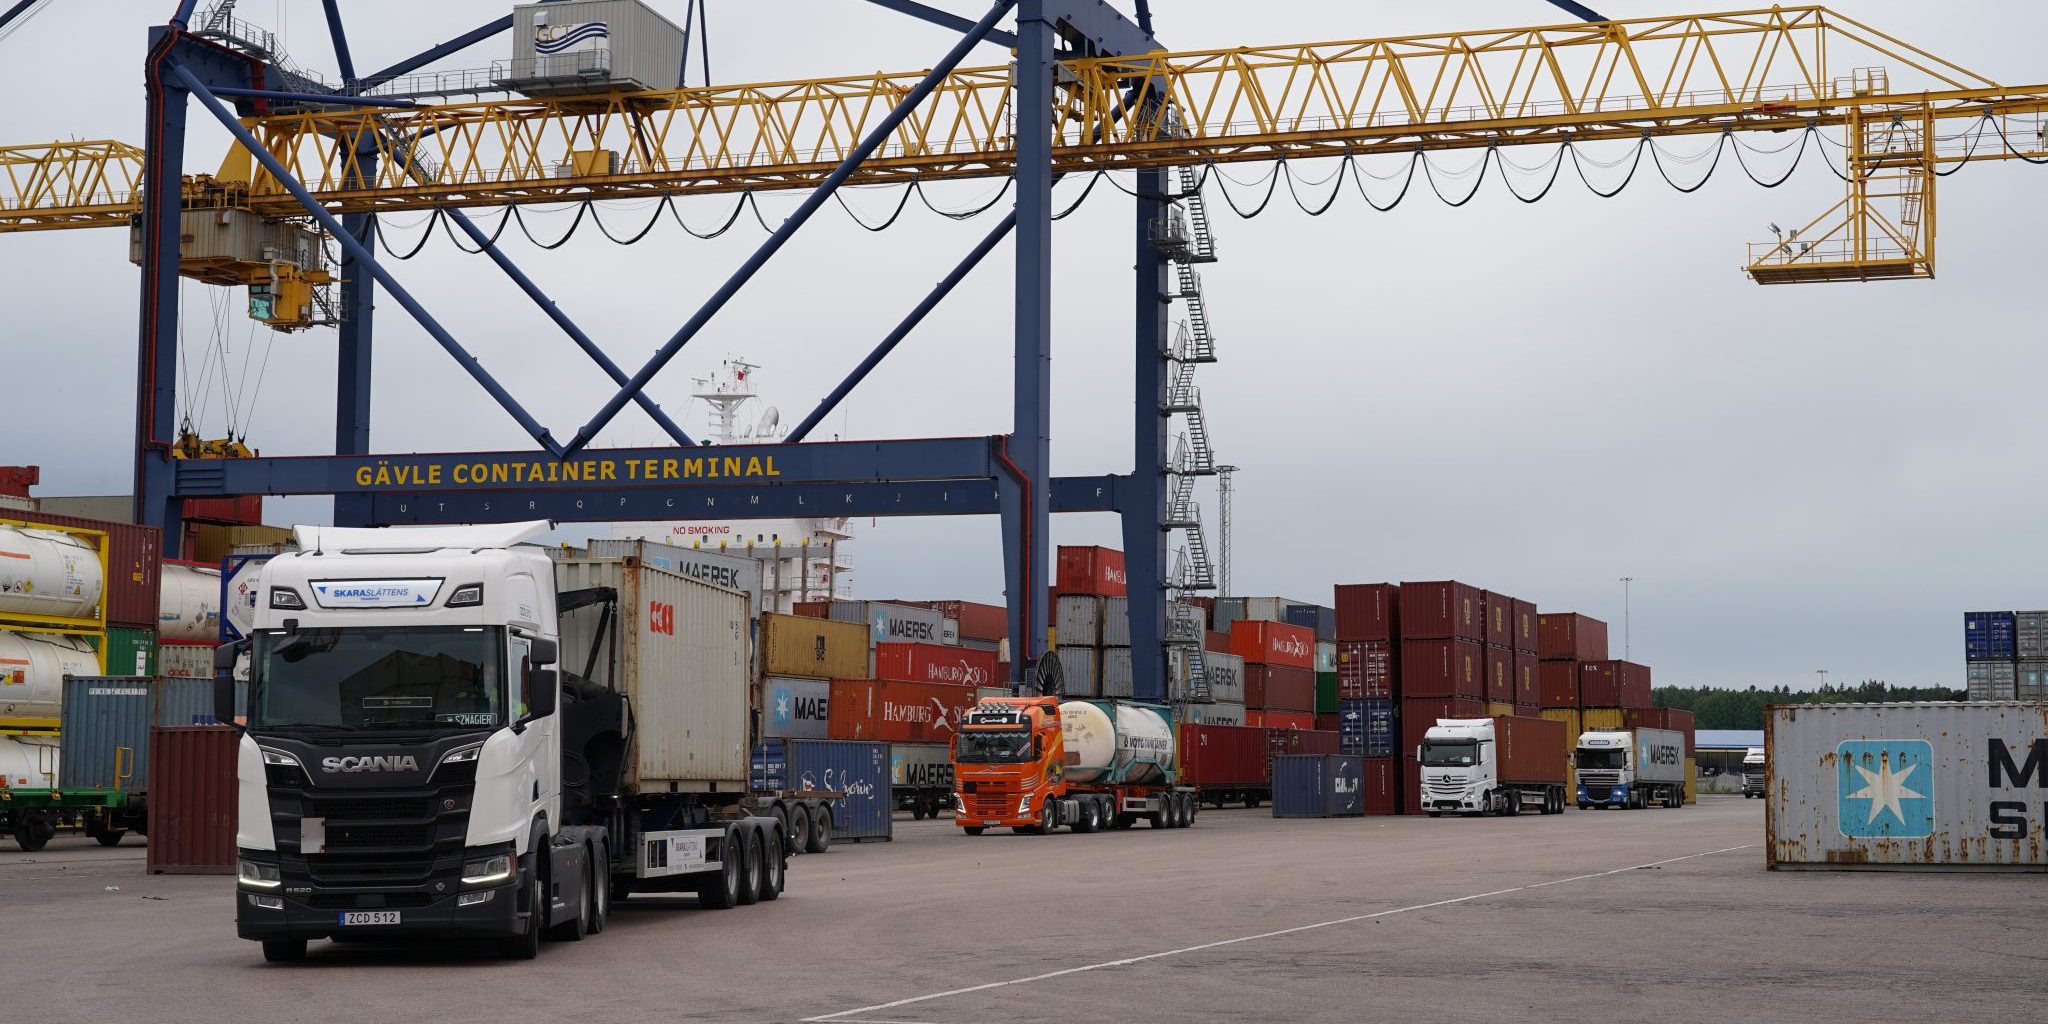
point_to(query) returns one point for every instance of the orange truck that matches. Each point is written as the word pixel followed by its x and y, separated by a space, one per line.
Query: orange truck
pixel 1033 764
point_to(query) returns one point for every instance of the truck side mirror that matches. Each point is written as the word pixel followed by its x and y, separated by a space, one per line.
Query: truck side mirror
pixel 543 651
pixel 224 658
pixel 542 689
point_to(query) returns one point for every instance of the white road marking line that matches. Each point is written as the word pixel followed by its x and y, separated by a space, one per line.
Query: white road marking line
pixel 839 1016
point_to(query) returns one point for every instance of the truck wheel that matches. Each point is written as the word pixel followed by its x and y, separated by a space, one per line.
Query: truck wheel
pixel 820 838
pixel 1089 819
pixel 722 890
pixel 1436 814
pixel 33 830
pixel 1252 800
pixel 284 951
pixel 773 875
pixel 749 842
pixel 973 830
pixel 917 810
pixel 601 891
pixel 575 929
pixel 526 945
pixel 799 828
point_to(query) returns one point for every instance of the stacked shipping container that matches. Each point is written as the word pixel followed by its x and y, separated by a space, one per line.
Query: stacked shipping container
pixel 2005 655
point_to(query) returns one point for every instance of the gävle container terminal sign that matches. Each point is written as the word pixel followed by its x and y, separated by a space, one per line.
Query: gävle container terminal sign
pixel 821 462
pixel 460 471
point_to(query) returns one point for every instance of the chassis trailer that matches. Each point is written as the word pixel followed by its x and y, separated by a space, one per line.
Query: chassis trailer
pixel 450 736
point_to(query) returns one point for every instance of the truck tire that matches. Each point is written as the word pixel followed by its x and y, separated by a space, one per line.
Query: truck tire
pixel 1088 819
pixel 575 929
pixel 773 873
pixel 1187 810
pixel 33 830
pixel 820 838
pixel 749 842
pixel 601 893
pixel 799 828
pixel 916 809
pixel 1252 800
pixel 722 890
pixel 973 830
pixel 284 951
pixel 526 944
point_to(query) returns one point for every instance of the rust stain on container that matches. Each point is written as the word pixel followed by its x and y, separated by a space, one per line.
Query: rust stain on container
pixel 192 799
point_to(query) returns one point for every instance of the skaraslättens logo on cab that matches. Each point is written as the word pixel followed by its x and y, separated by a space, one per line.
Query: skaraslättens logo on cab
pixel 1885 788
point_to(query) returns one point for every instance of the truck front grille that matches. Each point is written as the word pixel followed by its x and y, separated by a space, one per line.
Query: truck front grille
pixel 986 804
pixel 375 839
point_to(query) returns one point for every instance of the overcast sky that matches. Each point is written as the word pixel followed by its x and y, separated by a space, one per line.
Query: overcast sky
pixel 1538 399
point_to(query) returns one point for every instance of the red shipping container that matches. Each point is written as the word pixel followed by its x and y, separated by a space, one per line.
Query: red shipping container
pixel 1443 668
pixel 1681 721
pixel 192 799
pixel 1216 643
pixel 1614 684
pixel 1091 570
pixel 935 663
pixel 1222 755
pixel 1525 628
pixel 1365 669
pixel 1446 610
pixel 1368 611
pixel 1532 749
pixel 246 510
pixel 134 565
pixel 1326 723
pixel 1273 643
pixel 1282 721
pixel 1557 684
pixel 1498 610
pixel 896 712
pixel 1528 691
pixel 811 609
pixel 977 621
pixel 1280 688
pixel 1561 635
pixel 1382 786
pixel 1284 739
pixel 1500 674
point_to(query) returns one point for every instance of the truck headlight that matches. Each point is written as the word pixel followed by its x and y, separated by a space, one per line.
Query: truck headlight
pixel 279 758
pixel 259 876
pixel 1024 805
pixel 487 870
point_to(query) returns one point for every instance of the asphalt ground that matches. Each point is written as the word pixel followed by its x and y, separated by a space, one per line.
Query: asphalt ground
pixel 1664 915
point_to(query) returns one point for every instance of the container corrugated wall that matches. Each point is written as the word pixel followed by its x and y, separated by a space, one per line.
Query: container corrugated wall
pixel 858 769
pixel 192 799
pixel 1318 786
pixel 129 651
pixel 105 733
pixel 796 645
pixel 687 677
pixel 189 701
pixel 1895 786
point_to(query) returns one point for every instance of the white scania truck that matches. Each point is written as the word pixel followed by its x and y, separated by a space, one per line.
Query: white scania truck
pixel 415 765
pixel 1631 769
pixel 1754 775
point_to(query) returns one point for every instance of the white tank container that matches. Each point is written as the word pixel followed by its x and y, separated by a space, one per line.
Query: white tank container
pixel 45 572
pixel 32 671
pixel 28 762
pixel 1102 748
pixel 188 607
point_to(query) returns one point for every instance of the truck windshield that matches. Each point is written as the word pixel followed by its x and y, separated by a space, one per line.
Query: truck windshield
pixel 993 746
pixel 1450 753
pixel 360 677
pixel 1616 758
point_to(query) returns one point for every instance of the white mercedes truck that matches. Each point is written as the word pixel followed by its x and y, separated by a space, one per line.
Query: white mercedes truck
pixel 451 736
pixel 1631 769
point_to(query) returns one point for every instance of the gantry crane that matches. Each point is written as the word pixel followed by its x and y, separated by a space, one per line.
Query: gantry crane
pixel 1102 95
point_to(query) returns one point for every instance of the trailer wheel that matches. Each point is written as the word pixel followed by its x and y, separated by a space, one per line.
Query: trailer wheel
pixel 601 892
pixel 284 951
pixel 774 871
pixel 799 828
pixel 722 890
pixel 820 838
pixel 916 809
pixel 1251 800
pixel 1511 803
pixel 33 830
pixel 751 878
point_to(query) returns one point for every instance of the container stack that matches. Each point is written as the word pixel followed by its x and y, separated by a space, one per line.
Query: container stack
pixel 1368 657
pixel 1279 673
pixel 1997 646
pixel 798 657
pixel 1443 666
pixel 1091 620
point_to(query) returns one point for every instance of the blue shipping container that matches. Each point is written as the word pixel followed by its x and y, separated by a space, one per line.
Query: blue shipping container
pixel 1314 616
pixel 857 768
pixel 1365 727
pixel 1989 636
pixel 104 733
pixel 1318 786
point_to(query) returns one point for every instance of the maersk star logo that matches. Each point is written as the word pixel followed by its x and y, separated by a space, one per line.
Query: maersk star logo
pixel 1886 787
pixel 782 709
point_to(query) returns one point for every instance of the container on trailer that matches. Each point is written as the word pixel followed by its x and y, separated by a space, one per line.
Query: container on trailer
pixel 185 661
pixel 1562 635
pixel 1991 680
pixel 1497 611
pixel 134 563
pixel 896 712
pixel 1318 786
pixel 1523 627
pixel 1557 683
pixel 1500 674
pixel 1382 786
pixel 677 648
pixel 1989 636
pixel 793 707
pixel 1221 755
pixel 794 645
pixel 1217 713
pixel 51 577
pixel 192 799
pixel 1081 667
pixel 1528 689
pixel 1279 688
pixel 1368 611
pixel 1116 672
pixel 1947 785
pixel 1326 693
pixel 104 741
pixel 1614 684
pixel 1258 641
pixel 1531 749
pixel 1443 668
pixel 1078 617
pixel 934 663
pixel 32 671
pixel 921 765
pixel 1441 610
pixel 1225 673
pixel 1091 570
pixel 1314 617
pixel 189 605
pixel 705 565
pixel 1365 669
pixel 859 770
pixel 1365 727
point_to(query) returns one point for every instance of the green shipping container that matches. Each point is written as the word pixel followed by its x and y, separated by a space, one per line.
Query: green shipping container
pixel 130 652
pixel 1326 693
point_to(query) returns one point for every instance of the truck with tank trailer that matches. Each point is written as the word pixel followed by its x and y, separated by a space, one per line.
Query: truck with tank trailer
pixel 1035 763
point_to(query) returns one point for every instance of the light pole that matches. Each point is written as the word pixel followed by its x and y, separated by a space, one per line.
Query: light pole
pixel 1823 677
pixel 1625 652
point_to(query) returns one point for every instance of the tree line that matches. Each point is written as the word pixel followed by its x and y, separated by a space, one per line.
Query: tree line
pixel 1715 708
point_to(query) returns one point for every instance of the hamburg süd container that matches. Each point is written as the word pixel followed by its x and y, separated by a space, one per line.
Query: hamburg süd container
pixel 32 671
pixel 677 648
pixel 896 712
pixel 1562 635
pixel 1365 669
pixel 1989 636
pixel 935 663
pixel 134 563
pixel 793 707
pixel 1441 610
pixel 105 736
pixel 793 645
pixel 1946 785
pixel 1443 668
pixel 1258 641
pixel 1368 611
pixel 1318 786
pixel 1091 570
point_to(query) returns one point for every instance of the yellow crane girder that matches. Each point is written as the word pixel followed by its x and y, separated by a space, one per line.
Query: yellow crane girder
pixel 1771 70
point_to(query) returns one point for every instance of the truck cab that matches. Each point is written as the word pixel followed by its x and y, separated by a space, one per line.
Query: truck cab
pixel 1753 773
pixel 1630 769
pixel 1009 756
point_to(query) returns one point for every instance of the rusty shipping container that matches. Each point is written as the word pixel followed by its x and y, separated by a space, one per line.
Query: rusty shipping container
pixel 134 564
pixel 1570 635
pixel 1368 611
pixel 794 645
pixel 1443 668
pixel 1901 786
pixel 1497 611
pixel 935 663
pixel 1365 669
pixel 1442 610
pixel 192 799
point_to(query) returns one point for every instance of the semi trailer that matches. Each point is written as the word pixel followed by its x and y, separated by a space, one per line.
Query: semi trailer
pixel 1033 764
pixel 1500 765
pixel 1631 769
pixel 450 736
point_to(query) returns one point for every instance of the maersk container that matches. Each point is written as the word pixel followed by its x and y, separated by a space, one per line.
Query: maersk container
pixel 1991 680
pixel 105 734
pixel 677 649
pixel 705 565
pixel 793 707
pixel 578 46
pixel 891 623
pixel 1989 636
pixel 1225 673
pixel 1318 786
pixel 1219 713
pixel 1946 785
